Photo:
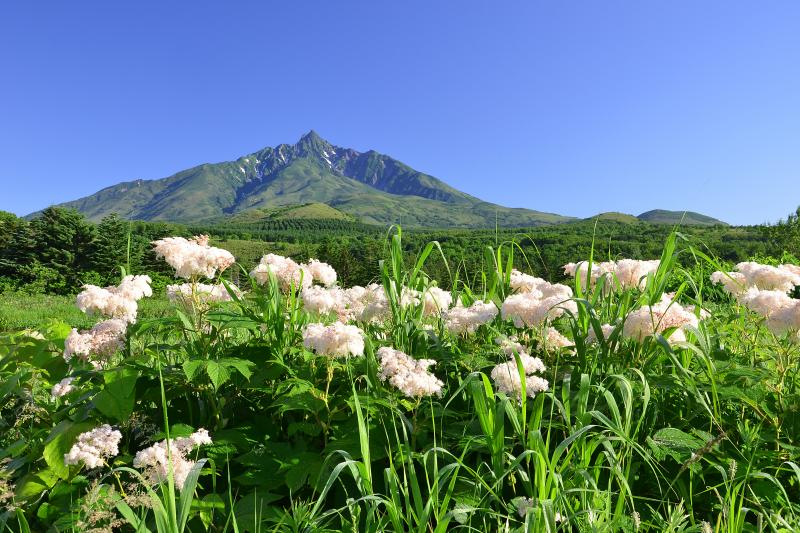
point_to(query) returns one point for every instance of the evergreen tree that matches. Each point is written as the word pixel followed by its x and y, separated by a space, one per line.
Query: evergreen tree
pixel 63 240
pixel 110 247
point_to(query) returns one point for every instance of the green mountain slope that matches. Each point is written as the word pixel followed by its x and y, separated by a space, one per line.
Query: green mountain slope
pixel 687 218
pixel 615 216
pixel 370 186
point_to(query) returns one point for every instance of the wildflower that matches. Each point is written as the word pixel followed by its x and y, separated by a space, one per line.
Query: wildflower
pixel 322 272
pixel 156 462
pixel 193 257
pixel 102 341
pixel 436 301
pixel 93 447
pixel 115 302
pixel 336 340
pixel 606 330
pixel 200 293
pixel 409 375
pixel 288 273
pixel 535 308
pixel 554 340
pixel 460 319
pixel 366 304
pixel 734 283
pixel 506 376
pixel 628 273
pixel 510 345
pixel 648 321
pixel 62 388
pixel 321 300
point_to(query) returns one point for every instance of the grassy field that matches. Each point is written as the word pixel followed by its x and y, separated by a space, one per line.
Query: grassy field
pixel 31 311
pixel 648 398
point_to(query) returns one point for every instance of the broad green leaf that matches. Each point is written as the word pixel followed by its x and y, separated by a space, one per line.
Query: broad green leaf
pixel 61 439
pixel 192 367
pixel 32 485
pixel 242 365
pixel 217 373
pixel 118 397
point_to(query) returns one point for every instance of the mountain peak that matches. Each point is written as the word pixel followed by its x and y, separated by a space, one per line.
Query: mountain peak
pixel 374 187
pixel 310 138
pixel 312 144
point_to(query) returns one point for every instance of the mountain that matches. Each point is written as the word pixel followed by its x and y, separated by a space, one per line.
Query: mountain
pixel 661 216
pixel 615 216
pixel 371 186
pixel 686 218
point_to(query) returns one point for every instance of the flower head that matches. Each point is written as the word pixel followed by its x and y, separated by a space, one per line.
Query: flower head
pixel 336 340
pixel 193 257
pixel 409 375
pixel 94 447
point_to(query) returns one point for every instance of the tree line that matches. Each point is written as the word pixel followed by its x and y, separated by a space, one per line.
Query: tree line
pixel 60 250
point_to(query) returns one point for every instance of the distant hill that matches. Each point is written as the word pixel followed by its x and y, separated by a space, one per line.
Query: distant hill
pixel 371 186
pixel 616 217
pixel 687 218
pixel 311 211
pixel 661 216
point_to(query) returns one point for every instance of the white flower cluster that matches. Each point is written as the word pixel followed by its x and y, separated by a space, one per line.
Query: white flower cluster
pixel 356 303
pixel 102 341
pixel 336 340
pixel 286 271
pixel 193 257
pixel 62 388
pixel 538 302
pixel 630 273
pixel 750 275
pixel 115 302
pixel 94 447
pixel 322 272
pixel 201 293
pixel 290 274
pixel 648 321
pixel 410 376
pixel 552 339
pixel 437 301
pixel 156 463
pixel 367 304
pixel 460 319
pixel 763 289
pixel 506 376
pixel 606 330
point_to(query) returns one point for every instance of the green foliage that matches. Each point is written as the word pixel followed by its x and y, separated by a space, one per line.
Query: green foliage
pixel 630 435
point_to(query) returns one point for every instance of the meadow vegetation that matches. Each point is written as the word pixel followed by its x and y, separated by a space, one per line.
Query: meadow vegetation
pixel 454 390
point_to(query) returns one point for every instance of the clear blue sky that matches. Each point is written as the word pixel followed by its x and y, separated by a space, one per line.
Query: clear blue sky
pixel 569 107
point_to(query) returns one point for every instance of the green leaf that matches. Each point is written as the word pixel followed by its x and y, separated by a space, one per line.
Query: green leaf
pixel 32 485
pixel 61 439
pixel 192 367
pixel 217 373
pixel 242 365
pixel 118 397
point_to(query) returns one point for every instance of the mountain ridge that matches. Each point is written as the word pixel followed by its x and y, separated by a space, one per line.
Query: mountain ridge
pixel 372 186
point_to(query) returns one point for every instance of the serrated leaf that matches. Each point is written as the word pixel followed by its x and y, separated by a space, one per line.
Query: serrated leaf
pixel 118 397
pixel 242 365
pixel 217 373
pixel 192 367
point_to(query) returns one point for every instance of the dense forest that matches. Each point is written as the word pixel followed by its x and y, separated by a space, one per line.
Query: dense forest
pixel 60 250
